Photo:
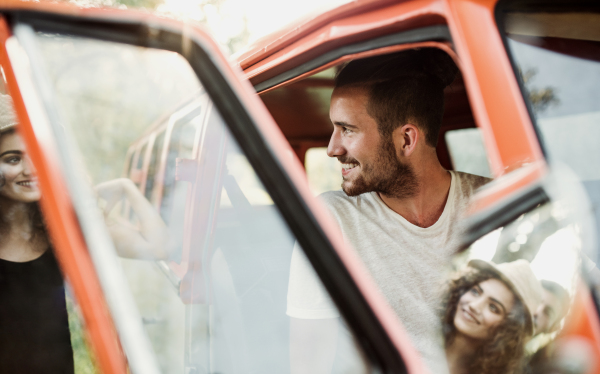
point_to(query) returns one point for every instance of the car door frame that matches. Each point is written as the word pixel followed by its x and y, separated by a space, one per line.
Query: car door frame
pixel 378 331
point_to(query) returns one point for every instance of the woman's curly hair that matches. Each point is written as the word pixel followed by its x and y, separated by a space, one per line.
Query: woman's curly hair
pixel 504 350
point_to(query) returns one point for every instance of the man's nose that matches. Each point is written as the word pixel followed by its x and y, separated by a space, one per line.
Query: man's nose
pixel 335 147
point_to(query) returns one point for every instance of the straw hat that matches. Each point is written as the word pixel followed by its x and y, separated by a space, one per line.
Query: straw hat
pixel 8 117
pixel 519 277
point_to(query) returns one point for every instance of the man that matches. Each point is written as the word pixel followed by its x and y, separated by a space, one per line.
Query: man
pixel 398 206
pixel 547 319
pixel 553 308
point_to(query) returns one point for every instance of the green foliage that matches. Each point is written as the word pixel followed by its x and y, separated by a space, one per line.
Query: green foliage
pixel 539 98
pixel 82 355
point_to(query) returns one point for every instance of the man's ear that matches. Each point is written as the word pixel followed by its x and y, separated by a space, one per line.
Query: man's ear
pixel 406 138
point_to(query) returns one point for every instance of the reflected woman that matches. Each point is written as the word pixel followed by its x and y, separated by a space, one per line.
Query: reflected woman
pixel 488 317
pixel 34 328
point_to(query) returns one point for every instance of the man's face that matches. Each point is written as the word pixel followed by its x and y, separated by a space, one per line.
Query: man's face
pixel 369 163
pixel 549 313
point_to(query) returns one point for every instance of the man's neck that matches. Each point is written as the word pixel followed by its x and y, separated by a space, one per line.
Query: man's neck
pixel 425 207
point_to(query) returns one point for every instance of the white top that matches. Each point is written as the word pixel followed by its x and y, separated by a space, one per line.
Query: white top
pixel 408 263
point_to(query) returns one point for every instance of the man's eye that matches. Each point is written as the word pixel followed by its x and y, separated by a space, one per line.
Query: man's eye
pixel 346 130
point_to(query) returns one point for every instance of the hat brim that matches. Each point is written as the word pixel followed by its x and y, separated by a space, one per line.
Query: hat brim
pixel 485 265
pixel 7 127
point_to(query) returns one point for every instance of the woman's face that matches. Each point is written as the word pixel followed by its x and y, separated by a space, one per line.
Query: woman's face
pixel 20 177
pixel 482 308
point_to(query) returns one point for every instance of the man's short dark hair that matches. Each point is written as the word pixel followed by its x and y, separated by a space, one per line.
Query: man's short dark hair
pixel 403 87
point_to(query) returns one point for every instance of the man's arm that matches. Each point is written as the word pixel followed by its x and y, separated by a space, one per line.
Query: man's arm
pixel 312 345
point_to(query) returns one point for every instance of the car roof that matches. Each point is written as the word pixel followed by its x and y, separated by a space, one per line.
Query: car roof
pixel 322 31
pixel 370 17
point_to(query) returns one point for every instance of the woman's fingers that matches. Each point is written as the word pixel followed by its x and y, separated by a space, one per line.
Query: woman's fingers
pixel 111 192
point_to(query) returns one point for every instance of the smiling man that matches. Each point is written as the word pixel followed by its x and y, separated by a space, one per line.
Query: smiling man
pixel 398 205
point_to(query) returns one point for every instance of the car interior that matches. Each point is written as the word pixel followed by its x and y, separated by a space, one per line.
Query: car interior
pixel 245 282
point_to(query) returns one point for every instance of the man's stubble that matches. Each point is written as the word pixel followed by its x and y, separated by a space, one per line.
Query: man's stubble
pixel 387 176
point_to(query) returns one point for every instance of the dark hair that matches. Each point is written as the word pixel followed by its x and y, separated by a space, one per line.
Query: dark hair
pixel 402 87
pixel 503 351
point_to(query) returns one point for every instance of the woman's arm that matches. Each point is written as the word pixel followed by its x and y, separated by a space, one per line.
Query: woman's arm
pixel 150 241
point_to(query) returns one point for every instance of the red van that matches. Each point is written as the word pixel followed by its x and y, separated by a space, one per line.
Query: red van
pixel 225 162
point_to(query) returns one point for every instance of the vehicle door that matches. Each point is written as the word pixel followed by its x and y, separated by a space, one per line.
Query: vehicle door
pixel 532 211
pixel 87 84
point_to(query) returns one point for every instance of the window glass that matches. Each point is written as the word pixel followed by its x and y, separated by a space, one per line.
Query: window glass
pixel 40 327
pixel 467 151
pixel 324 173
pixel 153 165
pixel 218 304
pixel 524 275
pixel 174 191
pixel 557 56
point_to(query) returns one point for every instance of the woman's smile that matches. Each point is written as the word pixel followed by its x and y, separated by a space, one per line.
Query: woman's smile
pixel 30 183
pixel 20 180
pixel 469 316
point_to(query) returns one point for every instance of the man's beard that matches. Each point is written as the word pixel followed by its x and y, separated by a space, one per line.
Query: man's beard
pixel 387 175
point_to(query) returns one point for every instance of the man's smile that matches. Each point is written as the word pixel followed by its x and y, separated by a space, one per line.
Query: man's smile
pixel 348 167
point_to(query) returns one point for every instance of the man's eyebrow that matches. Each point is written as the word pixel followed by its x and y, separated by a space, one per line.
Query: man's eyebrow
pixel 343 124
pixel 499 303
pixel 11 151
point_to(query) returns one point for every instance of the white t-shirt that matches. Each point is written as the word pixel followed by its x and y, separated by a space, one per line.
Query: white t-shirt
pixel 408 263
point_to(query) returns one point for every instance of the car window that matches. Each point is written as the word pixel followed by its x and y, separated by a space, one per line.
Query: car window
pixel 208 269
pixel 137 173
pixel 539 255
pixel 174 191
pixel 467 151
pixel 41 328
pixel 324 173
pixel 559 67
pixel 155 156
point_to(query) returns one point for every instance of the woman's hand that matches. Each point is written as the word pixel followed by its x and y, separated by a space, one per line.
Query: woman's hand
pixel 150 239
pixel 113 191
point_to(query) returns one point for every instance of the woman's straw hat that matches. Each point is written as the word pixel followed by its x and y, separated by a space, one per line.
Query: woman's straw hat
pixel 519 277
pixel 8 117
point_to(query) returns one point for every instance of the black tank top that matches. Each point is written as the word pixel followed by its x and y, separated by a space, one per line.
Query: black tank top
pixel 34 325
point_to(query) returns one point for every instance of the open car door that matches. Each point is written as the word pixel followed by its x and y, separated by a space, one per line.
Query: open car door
pixel 197 282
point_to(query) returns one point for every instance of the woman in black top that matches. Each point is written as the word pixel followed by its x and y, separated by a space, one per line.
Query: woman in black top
pixel 34 328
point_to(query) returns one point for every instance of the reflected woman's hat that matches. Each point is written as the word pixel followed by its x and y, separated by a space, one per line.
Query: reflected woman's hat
pixel 519 277
pixel 8 117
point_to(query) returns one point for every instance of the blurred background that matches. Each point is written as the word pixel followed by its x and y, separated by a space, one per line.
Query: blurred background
pixel 233 23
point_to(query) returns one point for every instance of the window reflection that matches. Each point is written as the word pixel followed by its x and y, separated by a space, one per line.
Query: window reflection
pixel 512 291
pixel 34 324
pixel 216 299
pixel 556 52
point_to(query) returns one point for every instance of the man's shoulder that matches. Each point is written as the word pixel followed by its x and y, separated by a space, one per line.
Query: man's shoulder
pixel 340 203
pixel 335 200
pixel 336 196
pixel 468 183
